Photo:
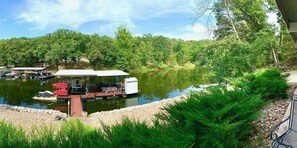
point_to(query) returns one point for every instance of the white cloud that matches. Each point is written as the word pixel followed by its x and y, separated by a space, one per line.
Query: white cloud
pixel 195 32
pixel 137 35
pixel 199 28
pixel 74 13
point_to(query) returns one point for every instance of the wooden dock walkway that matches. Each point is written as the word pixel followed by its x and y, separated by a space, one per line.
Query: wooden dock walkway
pixel 76 106
pixel 107 94
pixel 76 103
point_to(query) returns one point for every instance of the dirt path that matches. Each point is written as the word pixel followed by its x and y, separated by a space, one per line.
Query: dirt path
pixel 292 79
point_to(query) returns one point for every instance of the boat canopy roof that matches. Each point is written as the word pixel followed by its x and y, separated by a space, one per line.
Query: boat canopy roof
pixel 28 68
pixel 75 72
pixel 2 67
pixel 90 72
pixel 106 73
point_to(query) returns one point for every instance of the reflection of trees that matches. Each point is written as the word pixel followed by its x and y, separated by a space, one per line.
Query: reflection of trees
pixel 16 92
pixel 152 85
pixel 160 83
pixel 104 105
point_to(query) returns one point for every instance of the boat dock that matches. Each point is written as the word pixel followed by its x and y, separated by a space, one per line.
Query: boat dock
pixel 77 93
pixel 76 106
pixel 94 95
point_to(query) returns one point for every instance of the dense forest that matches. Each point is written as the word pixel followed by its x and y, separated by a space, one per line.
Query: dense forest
pixel 124 51
pixel 243 41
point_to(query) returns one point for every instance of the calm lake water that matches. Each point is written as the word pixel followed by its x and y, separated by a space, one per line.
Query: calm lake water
pixel 154 86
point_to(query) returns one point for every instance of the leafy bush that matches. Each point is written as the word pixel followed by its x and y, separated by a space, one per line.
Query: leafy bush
pixel 218 118
pixel 269 83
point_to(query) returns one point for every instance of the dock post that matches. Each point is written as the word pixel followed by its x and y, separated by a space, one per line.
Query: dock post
pixel 68 107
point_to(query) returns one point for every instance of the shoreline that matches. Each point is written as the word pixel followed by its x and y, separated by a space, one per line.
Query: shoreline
pixel 142 113
pixel 32 110
pixel 29 118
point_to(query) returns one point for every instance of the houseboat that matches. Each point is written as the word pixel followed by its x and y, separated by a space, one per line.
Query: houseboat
pixel 3 71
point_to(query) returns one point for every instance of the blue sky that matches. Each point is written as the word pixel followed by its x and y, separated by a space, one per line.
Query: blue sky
pixel 171 18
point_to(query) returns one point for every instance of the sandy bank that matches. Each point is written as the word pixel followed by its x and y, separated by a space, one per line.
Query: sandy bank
pixel 144 112
pixel 29 118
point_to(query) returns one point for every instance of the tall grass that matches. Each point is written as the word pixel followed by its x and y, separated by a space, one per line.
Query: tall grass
pixel 11 137
pixel 71 134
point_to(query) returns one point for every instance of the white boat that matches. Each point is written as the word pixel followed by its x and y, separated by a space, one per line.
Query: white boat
pixel 45 96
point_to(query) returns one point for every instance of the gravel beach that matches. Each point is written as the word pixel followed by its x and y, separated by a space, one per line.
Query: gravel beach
pixel 141 113
pixel 28 118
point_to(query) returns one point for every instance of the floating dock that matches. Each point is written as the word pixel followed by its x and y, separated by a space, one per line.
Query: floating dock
pixel 76 107
pixel 77 92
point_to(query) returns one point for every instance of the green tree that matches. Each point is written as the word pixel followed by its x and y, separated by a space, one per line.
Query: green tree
pixel 126 58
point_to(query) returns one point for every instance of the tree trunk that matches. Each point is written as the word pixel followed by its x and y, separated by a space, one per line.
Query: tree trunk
pixel 276 62
pixel 280 38
pixel 231 21
pixel 57 65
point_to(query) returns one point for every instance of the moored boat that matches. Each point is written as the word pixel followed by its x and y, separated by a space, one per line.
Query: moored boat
pixel 45 96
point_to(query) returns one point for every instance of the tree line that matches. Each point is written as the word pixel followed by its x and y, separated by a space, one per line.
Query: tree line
pixel 123 51
pixel 243 41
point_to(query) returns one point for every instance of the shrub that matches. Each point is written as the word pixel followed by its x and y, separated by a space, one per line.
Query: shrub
pixel 71 134
pixel 269 83
pixel 218 118
pixel 138 134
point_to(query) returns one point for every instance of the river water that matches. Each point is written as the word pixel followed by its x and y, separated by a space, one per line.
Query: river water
pixel 154 86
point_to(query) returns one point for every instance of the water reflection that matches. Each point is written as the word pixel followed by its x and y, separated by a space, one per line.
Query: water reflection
pixel 170 83
pixel 132 101
pixel 154 86
pixel 16 92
